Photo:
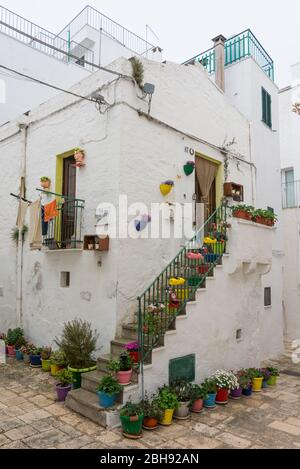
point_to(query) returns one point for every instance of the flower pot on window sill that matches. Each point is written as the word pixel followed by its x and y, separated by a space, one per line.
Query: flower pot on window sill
pixel 243 215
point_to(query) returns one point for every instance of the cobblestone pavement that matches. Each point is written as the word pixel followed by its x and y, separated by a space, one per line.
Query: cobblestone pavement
pixel 30 417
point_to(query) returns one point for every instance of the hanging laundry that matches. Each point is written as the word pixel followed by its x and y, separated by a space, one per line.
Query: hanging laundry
pixel 23 206
pixel 35 226
pixel 44 223
pixel 50 211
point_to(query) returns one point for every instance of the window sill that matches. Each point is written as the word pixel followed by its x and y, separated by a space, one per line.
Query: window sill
pixel 268 307
pixel 266 125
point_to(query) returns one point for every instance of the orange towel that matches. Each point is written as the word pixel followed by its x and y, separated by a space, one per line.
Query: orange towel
pixel 50 211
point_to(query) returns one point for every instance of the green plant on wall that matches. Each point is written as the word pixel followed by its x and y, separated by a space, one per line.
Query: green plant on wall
pixel 137 71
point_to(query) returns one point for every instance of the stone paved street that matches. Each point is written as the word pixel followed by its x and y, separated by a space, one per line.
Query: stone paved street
pixel 31 418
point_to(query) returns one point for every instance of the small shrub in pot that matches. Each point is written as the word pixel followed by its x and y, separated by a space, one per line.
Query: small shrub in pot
pixel 108 390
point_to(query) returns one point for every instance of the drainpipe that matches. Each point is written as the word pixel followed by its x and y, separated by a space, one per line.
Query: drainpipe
pixel 219 45
pixel 20 251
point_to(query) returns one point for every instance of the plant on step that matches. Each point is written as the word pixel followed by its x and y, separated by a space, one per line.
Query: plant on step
pixel 15 233
pixel 113 365
pixel 122 367
pixel 156 320
pixel 125 361
pixel 109 385
pixel 133 349
pixel 78 343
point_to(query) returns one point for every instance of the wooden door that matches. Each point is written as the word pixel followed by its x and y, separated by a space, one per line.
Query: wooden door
pixel 69 204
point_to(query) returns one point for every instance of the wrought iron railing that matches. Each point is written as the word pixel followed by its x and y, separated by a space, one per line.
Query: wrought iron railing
pixel 39 38
pixel 291 194
pixel 238 47
pixel 168 295
pixel 92 17
pixel 64 231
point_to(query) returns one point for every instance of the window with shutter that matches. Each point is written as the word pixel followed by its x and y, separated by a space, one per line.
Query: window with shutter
pixel 266 108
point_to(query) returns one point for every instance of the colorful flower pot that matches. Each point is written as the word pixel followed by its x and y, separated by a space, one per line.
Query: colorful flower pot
pixel 210 401
pixel 35 361
pixel 105 400
pixel 243 215
pixel 150 423
pixel 176 282
pixel 257 384
pixel 182 294
pixel 134 357
pixel 55 369
pixel 272 381
pixel 19 355
pixel 62 392
pixel 197 406
pixel 165 189
pixel 26 359
pixel 194 281
pixel 124 377
pixel 247 392
pixel 132 426
pixel 182 412
pixel 11 352
pixel 188 169
pixel 265 384
pixel 203 269
pixel 167 418
pixel 46 365
pixel 194 256
pixel 236 393
pixel 262 221
pixel 77 375
pixel 211 258
pixel 222 396
pixel 218 248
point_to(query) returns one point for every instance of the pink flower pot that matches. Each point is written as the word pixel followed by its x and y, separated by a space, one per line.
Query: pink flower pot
pixel 124 377
pixel 198 406
pixel 11 352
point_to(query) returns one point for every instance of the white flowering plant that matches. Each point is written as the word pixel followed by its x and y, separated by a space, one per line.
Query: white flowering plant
pixel 226 380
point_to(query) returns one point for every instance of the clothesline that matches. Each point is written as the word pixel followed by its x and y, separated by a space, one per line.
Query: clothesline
pixel 20 198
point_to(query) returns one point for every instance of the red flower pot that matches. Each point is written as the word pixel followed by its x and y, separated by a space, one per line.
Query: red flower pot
pixel 203 269
pixel 243 215
pixel 262 221
pixel 222 396
pixel 11 351
pixel 198 406
pixel 134 357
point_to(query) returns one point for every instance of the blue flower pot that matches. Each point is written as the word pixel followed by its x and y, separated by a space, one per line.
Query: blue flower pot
pixel 35 361
pixel 106 401
pixel 210 402
pixel 211 258
pixel 247 392
pixel 265 384
pixel 19 355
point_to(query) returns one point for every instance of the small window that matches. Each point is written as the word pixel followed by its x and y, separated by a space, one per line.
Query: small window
pixel 268 296
pixel 65 279
pixel 266 108
pixel 239 335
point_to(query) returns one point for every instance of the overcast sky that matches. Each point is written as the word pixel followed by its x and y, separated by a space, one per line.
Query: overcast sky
pixel 185 28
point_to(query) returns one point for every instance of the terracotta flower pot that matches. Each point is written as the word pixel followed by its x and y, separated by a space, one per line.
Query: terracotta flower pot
pixel 242 214
pixel 11 350
pixel 124 377
pixel 198 406
pixel 150 423
pixel 262 221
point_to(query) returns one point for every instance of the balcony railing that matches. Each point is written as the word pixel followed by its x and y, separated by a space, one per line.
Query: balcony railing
pixel 291 194
pixel 93 18
pixel 64 231
pixel 237 48
pixel 40 39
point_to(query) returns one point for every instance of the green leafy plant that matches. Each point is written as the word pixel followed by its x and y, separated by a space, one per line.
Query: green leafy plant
pixel 113 365
pixel 244 378
pixel 267 214
pixel 273 371
pixel 242 208
pixel 137 71
pixel 58 358
pixel 78 343
pixel 197 392
pixel 36 351
pixel 182 389
pixel 15 337
pixel 46 353
pixel 27 349
pixel 125 361
pixel 167 399
pixel 131 410
pixel 209 386
pixel 255 373
pixel 45 179
pixel 15 233
pixel 151 408
pixel 109 385
pixel 64 378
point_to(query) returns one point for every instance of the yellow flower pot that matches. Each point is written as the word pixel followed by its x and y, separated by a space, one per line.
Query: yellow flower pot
pixel 165 189
pixel 176 282
pixel 55 369
pixel 182 294
pixel 167 418
pixel 257 384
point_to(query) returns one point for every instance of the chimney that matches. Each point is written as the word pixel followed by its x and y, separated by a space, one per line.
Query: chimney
pixel 219 45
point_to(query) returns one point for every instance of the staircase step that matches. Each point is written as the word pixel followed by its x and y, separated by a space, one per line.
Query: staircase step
pixel 86 403
pixel 130 331
pixel 102 363
pixel 117 346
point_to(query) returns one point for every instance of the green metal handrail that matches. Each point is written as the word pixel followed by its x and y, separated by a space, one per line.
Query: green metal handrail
pixel 161 302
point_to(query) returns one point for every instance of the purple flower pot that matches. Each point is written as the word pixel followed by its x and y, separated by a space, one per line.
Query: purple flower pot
pixel 236 393
pixel 62 392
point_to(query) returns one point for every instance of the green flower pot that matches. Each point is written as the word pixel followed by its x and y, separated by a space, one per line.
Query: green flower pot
pixel 77 374
pixel 132 426
pixel 188 169
pixel 272 381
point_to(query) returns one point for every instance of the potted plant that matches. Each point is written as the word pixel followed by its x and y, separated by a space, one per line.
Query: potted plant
pixel 225 382
pixel 122 368
pixel 152 412
pixel 245 212
pixel 166 187
pixel 57 362
pixel 257 378
pixel 35 357
pixel 14 341
pixel 266 375
pixel 79 156
pixel 64 380
pixel 243 381
pixel 131 416
pixel 210 389
pixel 46 363
pixel 183 391
pixel 78 343
pixel 198 394
pixel 274 372
pixel 264 217
pixel 108 390
pixel 168 402
pixel 45 182
pixel 133 349
pixel 189 168
pixel 26 351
